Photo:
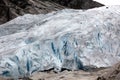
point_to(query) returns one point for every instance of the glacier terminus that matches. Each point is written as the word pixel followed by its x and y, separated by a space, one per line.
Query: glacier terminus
pixel 66 39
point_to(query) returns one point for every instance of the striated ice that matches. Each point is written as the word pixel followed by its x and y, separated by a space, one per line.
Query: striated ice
pixel 70 39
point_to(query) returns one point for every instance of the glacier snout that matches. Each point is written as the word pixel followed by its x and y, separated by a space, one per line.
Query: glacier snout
pixel 70 39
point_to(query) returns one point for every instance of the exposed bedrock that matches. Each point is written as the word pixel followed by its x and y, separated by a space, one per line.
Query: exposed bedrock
pixel 78 4
pixel 10 9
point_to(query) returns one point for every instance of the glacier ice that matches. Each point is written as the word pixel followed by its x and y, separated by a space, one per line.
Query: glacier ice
pixel 70 39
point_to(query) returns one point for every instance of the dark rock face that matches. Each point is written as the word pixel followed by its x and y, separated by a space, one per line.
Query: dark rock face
pixel 78 4
pixel 9 9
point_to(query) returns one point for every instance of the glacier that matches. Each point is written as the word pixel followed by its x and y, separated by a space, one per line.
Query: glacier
pixel 69 39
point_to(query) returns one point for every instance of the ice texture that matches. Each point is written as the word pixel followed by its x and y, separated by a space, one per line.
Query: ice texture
pixel 69 39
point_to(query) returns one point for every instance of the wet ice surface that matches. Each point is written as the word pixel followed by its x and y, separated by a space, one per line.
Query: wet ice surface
pixel 70 39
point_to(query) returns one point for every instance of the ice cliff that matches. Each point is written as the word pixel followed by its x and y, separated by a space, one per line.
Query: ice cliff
pixel 70 39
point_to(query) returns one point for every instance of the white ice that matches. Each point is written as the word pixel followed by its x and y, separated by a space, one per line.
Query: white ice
pixel 71 39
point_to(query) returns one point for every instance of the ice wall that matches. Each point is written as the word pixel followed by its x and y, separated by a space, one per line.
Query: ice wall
pixel 70 39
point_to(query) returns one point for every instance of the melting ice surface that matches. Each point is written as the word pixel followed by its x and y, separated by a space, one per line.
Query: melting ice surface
pixel 70 39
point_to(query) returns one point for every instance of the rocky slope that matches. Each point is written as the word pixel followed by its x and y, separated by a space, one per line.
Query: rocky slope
pixel 67 39
pixel 78 4
pixel 112 74
pixel 10 9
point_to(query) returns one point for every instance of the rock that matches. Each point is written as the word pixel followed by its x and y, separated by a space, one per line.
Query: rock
pixel 10 9
pixel 67 39
pixel 112 74
pixel 66 75
pixel 2 78
pixel 78 4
